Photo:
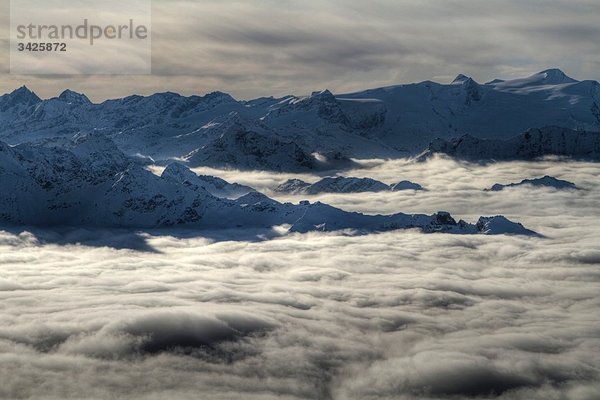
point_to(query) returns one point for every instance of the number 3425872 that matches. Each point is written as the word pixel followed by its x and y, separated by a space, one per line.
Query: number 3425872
pixel 41 47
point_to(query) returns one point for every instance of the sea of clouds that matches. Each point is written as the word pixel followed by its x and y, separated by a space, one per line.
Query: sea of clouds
pixel 398 315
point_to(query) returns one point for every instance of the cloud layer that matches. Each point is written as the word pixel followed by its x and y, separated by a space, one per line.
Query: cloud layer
pixel 272 47
pixel 397 315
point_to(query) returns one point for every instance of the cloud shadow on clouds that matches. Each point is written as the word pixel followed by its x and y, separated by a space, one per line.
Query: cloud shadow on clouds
pixel 113 238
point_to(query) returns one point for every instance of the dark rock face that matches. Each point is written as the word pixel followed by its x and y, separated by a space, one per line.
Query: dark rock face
pixel 444 218
pixel 533 144
pixel 342 184
pixel 546 181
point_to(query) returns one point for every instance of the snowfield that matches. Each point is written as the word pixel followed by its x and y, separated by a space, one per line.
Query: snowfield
pixel 161 314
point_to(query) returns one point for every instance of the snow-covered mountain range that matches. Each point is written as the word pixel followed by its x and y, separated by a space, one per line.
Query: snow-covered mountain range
pixel 89 182
pixel 69 161
pixel 342 184
pixel 319 131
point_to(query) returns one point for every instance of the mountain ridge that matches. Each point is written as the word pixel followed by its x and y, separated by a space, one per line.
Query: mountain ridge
pixel 530 145
pixel 53 186
pixel 321 130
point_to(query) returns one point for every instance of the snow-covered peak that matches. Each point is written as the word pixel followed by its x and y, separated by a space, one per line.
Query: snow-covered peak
pixel 75 98
pixel 495 81
pixel 469 88
pixel 317 97
pixel 554 76
pixel 500 225
pixel 549 77
pixel 342 184
pixel 460 78
pixel 546 181
pixel 321 106
pixel 405 185
pixel 292 186
pixel 20 96
pixel 324 94
pixel 178 173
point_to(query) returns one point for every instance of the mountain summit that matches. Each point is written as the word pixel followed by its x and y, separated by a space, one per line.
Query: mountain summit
pixel 19 97
pixel 460 78
pixel 72 97
pixel 554 76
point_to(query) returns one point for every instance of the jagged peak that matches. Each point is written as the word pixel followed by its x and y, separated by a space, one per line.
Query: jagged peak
pixel 460 78
pixel 73 97
pixel 22 89
pixel 317 97
pixel 22 95
pixel 178 173
pixel 322 93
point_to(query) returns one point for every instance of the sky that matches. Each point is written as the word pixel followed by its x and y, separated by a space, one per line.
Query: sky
pixel 275 47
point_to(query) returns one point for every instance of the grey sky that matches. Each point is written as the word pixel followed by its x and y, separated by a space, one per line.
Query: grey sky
pixel 254 48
